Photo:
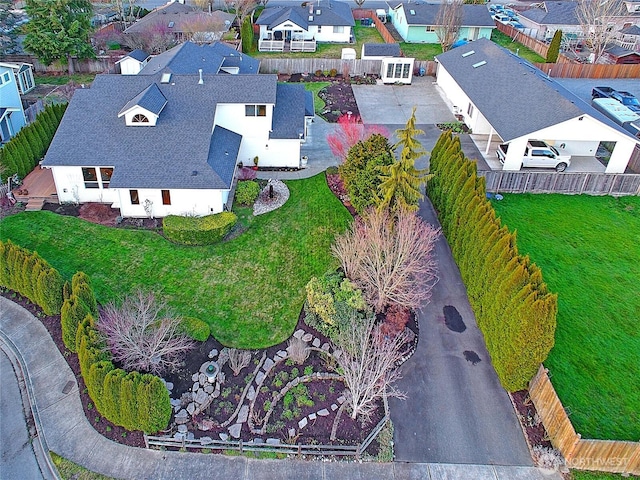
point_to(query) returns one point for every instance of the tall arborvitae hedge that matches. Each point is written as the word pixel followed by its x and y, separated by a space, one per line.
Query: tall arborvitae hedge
pixel 146 400
pixel 25 150
pixel 513 307
pixel 26 273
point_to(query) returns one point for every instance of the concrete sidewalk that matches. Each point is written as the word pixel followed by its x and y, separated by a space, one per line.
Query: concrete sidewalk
pixel 67 432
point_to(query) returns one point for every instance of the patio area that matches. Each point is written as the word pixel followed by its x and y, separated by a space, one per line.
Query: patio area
pixel 37 188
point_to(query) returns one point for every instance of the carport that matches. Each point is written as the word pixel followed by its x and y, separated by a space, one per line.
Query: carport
pixel 530 106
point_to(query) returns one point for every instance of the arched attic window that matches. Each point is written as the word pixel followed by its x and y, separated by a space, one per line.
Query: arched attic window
pixel 139 118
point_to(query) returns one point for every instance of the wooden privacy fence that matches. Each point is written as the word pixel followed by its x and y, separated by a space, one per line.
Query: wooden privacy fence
pixel 100 64
pixel 589 70
pixel 353 67
pixel 568 183
pixel 601 455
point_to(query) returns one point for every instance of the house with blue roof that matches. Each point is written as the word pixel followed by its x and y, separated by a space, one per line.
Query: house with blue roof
pixel 501 97
pixel 418 22
pixel 299 27
pixel 169 139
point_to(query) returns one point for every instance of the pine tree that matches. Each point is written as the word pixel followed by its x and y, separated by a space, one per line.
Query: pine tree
pixel 95 384
pixel 112 397
pixel 554 47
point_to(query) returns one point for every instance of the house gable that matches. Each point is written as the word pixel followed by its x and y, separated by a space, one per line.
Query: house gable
pixel 144 109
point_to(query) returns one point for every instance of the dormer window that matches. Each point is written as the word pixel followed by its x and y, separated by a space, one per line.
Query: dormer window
pixel 145 108
pixel 139 118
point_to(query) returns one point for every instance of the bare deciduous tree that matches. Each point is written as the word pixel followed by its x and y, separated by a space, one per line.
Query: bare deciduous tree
pixel 596 19
pixel 243 8
pixel 238 359
pixel 368 362
pixel 389 258
pixel 202 28
pixel 448 23
pixel 142 334
pixel 349 132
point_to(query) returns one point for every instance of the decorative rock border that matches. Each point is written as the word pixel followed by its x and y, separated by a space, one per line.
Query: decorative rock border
pixel 281 194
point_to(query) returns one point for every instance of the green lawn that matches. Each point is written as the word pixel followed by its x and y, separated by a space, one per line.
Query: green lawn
pixel 328 50
pixel 505 41
pixel 584 475
pixel 249 289
pixel 79 78
pixel 589 251
pixel 315 87
pixel 421 51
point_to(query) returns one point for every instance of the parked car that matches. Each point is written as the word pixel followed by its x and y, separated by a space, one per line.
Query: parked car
pixel 625 98
pixel 516 24
pixel 502 18
pixel 538 154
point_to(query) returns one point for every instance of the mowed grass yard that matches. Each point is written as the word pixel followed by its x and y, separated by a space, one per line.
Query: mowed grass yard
pixel 589 252
pixel 249 289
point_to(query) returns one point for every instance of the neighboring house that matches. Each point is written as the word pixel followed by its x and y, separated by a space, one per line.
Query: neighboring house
pixel 629 38
pixel 290 27
pixel 542 20
pixel 168 142
pixel 24 75
pixel 417 23
pixel 394 67
pixel 185 22
pixel 538 108
pixel 545 18
pixel 12 117
pixel 133 62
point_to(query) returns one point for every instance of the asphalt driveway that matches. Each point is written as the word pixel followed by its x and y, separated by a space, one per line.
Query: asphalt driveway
pixel 456 410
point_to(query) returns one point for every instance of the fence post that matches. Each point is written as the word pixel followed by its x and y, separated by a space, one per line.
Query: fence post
pixel 240 444
pixel 146 441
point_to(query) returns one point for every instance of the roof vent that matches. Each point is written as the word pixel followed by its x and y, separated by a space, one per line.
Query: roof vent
pixel 194 173
pixel 311 18
pixel 201 81
pixel 171 24
pixel 166 78
pixel 479 64
pixel 318 11
pixel 470 52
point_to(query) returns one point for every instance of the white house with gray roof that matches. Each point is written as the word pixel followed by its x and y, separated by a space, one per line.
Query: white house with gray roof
pixel 498 94
pixel 170 141
pixel 321 21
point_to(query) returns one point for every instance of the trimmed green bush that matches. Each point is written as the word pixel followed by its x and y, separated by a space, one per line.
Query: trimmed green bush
pixel 81 288
pixel 246 32
pixel 514 310
pixel 72 314
pixel 195 328
pixel 247 191
pixel 198 230
pixel 554 47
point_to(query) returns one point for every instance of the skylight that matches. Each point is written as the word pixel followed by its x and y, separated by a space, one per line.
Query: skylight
pixel 171 24
pixel 470 52
pixel 412 12
pixel 166 78
pixel 479 64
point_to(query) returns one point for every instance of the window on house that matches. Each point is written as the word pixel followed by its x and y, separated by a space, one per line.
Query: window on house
pixel 255 110
pixel 105 176
pixel 390 70
pixel 90 177
pixel 135 199
pixel 470 110
pixel 430 28
pixel 398 72
pixel 139 118
pixel 405 71
pixel 166 197
pixel 319 28
pixel 5 78
pixel 338 29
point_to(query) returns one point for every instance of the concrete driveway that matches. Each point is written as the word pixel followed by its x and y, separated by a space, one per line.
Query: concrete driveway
pixel 456 410
pixel 392 104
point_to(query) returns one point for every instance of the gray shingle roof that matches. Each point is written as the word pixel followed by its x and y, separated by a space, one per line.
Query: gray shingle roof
pixel 426 14
pixel 381 50
pixel 289 112
pixel 331 13
pixel 138 55
pixel 181 15
pixel 309 107
pixel 188 57
pixel 515 97
pixel 153 157
pixel 151 99
pixel 553 13
pixel 618 51
pixel 632 30
pixel 223 153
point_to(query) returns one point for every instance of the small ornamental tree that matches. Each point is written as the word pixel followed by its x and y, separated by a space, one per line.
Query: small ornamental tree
pixel 554 47
pixel 368 363
pixel 142 335
pixel 389 258
pixel 349 132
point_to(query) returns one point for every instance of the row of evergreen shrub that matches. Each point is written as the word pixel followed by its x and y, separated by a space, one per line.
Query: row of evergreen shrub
pixel 133 400
pixel 513 307
pixel 31 276
pixel 198 230
pixel 23 152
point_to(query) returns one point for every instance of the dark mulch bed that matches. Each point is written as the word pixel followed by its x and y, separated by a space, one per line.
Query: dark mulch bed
pixel 102 214
pixel 531 424
pixel 337 187
pixel 339 101
pixel 101 425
